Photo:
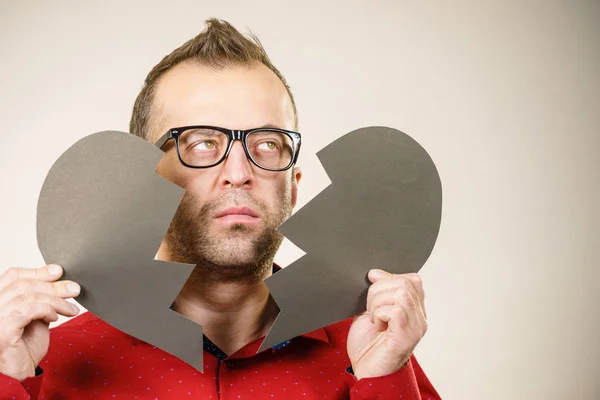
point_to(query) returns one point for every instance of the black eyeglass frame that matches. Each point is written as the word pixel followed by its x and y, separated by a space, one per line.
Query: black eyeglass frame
pixel 232 135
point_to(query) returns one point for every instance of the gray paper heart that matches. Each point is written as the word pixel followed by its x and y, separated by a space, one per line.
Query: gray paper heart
pixel 102 215
pixel 382 210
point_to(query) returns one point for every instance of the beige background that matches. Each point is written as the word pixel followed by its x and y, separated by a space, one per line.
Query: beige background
pixel 504 95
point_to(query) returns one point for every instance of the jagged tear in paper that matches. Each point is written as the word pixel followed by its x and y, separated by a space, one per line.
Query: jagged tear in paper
pixel 102 215
pixel 382 210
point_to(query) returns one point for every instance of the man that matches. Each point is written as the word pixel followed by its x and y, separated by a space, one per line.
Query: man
pixel 237 193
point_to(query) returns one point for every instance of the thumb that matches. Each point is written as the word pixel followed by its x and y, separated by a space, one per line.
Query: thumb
pixel 377 274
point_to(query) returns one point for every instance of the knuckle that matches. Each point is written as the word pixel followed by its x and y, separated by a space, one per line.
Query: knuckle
pixel 404 283
pixel 20 299
pixel 403 297
pixel 371 286
pixel 39 273
pixel 21 287
pixel 64 304
pixel 22 309
pixel 417 279
pixel 401 293
pixel 55 288
pixel 28 297
pixel 374 305
pixel 372 291
pixel 398 276
pixel 423 330
pixel 11 273
pixel 47 308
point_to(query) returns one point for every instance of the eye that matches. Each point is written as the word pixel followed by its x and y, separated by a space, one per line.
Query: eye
pixel 268 145
pixel 205 145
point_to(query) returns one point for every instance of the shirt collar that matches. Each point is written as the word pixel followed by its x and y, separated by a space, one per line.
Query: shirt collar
pixel 251 349
pixel 319 334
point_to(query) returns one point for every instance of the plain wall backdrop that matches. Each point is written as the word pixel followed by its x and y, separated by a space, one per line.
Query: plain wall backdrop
pixel 505 96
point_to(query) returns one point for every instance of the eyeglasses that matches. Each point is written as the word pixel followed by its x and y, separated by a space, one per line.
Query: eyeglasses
pixel 203 146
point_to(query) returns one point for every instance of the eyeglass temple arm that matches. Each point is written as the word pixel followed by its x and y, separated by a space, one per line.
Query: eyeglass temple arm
pixel 163 139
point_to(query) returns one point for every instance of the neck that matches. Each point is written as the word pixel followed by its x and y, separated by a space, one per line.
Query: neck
pixel 232 314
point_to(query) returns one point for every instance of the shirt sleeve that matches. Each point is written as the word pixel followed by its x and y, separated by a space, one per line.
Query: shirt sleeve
pixel 11 388
pixel 408 383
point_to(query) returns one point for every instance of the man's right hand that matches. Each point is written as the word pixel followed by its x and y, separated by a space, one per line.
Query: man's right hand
pixel 30 299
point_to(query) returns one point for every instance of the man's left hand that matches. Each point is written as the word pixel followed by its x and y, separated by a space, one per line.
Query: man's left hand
pixel 381 339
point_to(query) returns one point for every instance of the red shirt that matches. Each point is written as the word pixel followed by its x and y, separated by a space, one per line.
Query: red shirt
pixel 89 359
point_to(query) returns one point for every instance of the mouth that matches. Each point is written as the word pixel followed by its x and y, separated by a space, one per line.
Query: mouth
pixel 237 215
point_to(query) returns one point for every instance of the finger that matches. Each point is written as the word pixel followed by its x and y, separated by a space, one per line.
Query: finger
pixel 403 295
pixel 48 273
pixel 378 274
pixel 419 299
pixel 417 282
pixel 24 313
pixel 412 322
pixel 60 305
pixel 400 326
pixel 391 281
pixel 421 315
pixel 413 309
pixel 63 289
pixel 384 314
pixel 382 298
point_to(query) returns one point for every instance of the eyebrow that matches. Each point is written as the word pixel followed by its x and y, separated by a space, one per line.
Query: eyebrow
pixel 273 126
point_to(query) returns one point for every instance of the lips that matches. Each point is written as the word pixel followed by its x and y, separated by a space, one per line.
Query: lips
pixel 238 211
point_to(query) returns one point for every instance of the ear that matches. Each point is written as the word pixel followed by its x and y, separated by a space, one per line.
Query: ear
pixel 296 176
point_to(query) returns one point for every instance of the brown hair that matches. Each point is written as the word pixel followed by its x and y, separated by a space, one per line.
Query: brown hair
pixel 219 45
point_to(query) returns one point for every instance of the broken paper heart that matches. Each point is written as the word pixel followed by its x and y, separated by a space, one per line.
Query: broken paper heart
pixel 102 215
pixel 103 212
pixel 382 210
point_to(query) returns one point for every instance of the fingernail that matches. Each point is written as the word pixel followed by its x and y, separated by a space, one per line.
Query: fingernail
pixel 54 269
pixel 73 287
pixel 75 308
pixel 377 273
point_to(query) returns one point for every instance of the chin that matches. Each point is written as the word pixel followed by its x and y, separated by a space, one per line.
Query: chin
pixel 236 249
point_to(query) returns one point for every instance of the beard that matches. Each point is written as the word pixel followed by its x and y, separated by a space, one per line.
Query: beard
pixel 234 252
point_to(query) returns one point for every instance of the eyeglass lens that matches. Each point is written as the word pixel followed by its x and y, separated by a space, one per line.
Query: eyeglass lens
pixel 202 147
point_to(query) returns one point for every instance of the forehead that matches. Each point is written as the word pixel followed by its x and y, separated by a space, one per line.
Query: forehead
pixel 239 97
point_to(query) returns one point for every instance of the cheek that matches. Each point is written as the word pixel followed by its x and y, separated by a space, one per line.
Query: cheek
pixel 193 180
pixel 168 169
pixel 279 191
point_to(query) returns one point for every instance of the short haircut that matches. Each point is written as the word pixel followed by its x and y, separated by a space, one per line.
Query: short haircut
pixel 218 46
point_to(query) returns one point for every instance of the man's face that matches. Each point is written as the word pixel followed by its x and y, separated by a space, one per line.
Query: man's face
pixel 234 246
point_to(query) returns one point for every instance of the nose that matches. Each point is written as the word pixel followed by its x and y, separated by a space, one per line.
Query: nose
pixel 237 170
